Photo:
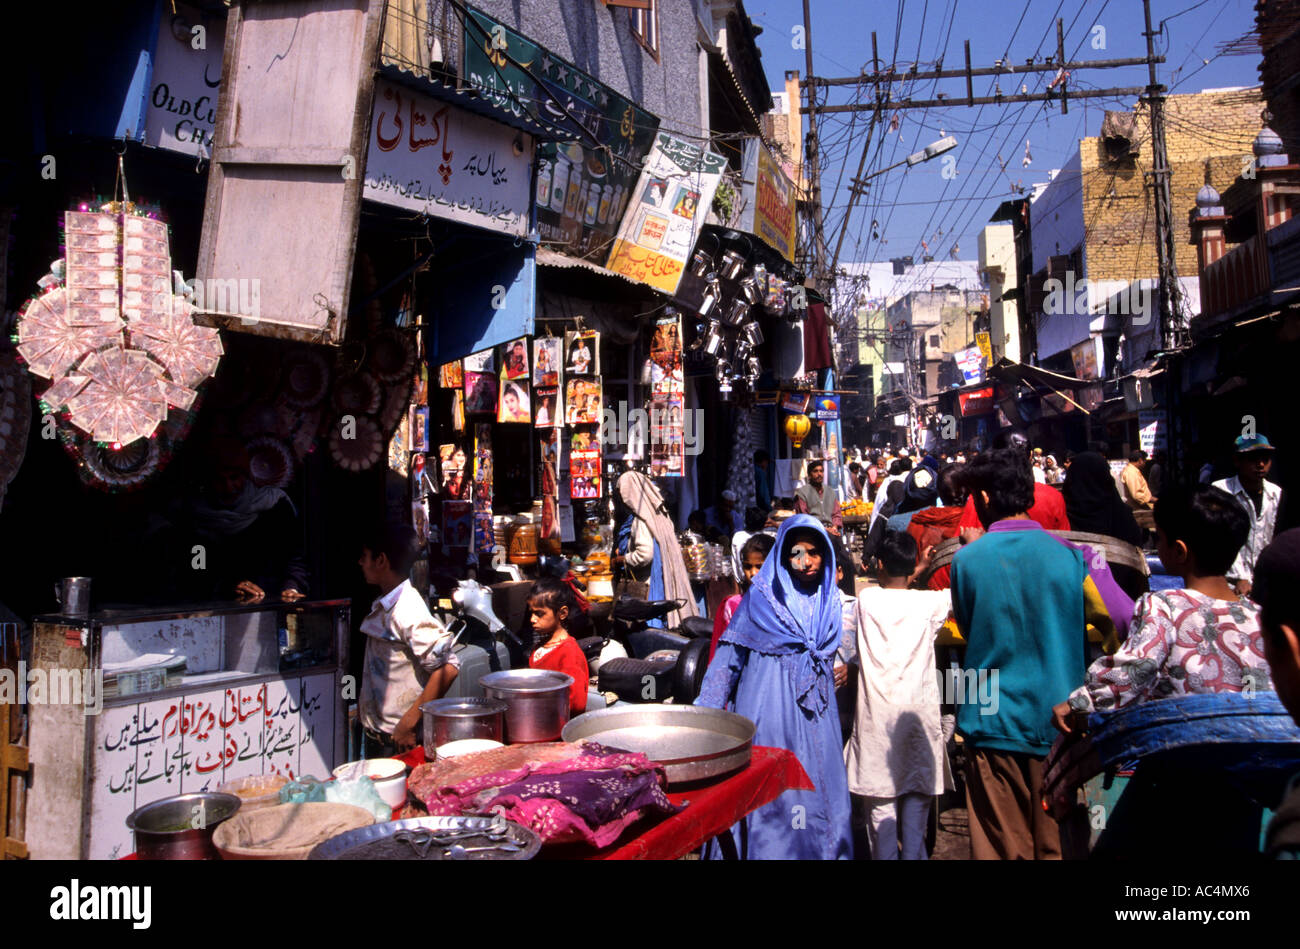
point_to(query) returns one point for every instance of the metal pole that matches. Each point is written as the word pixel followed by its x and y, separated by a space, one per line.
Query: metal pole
pixel 1167 282
pixel 812 157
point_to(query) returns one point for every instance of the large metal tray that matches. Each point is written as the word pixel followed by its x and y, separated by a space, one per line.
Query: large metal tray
pixel 377 842
pixel 692 743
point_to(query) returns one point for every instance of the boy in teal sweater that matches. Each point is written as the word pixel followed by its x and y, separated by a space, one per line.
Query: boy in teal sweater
pixel 1022 599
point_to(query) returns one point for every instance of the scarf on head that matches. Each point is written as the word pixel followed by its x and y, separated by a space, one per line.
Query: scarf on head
pixel 778 618
pixel 239 516
pixel 642 497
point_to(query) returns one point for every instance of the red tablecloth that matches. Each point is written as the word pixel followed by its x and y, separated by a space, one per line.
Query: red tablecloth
pixel 713 808
pixel 709 810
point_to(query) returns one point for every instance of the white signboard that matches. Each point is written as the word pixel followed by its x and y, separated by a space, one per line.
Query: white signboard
pixel 1152 435
pixel 182 107
pixel 198 741
pixel 971 363
pixel 431 157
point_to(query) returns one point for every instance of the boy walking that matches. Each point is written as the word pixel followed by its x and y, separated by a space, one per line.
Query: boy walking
pixel 409 659
pixel 1022 600
pixel 895 756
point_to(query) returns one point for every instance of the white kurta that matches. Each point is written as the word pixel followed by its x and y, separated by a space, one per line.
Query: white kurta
pixel 897 745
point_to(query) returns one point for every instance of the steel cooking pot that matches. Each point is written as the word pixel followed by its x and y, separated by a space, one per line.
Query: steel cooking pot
pixel 448 720
pixel 537 702
pixel 181 827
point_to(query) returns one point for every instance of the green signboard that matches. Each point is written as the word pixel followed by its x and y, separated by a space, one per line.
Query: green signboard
pixel 583 186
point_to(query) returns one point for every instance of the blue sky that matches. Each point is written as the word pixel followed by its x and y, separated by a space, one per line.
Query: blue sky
pixel 919 204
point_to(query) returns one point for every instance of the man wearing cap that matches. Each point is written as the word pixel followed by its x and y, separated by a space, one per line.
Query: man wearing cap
pixel 724 515
pixel 1261 500
pixel 813 498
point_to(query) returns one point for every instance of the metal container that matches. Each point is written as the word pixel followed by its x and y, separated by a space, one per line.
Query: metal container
pixel 164 830
pixel 733 264
pixel 537 702
pixel 448 720
pixel 73 595
pixel 427 838
pixel 693 743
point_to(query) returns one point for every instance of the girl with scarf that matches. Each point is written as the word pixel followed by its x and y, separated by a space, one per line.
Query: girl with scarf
pixel 774 665
pixel 647 547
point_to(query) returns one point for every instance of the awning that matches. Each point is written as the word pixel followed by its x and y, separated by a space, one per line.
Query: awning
pixel 1018 372
pixel 552 258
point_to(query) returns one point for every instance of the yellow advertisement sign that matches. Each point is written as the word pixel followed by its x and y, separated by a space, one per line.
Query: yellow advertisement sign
pixel 774 206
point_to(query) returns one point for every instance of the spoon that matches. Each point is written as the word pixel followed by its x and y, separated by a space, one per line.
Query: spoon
pixel 457 852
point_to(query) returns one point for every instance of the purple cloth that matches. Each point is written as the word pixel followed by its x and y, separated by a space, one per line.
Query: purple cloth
pixel 1119 606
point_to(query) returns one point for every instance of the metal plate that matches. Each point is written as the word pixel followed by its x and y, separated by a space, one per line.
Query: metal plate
pixel 692 743
pixel 376 841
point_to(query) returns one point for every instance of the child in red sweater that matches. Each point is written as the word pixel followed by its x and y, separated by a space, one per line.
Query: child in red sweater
pixel 551 603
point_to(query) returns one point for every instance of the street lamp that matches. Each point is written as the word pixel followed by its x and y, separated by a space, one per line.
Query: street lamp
pixel 934 150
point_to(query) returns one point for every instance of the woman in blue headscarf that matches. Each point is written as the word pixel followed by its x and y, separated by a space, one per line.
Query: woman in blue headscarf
pixel 774 665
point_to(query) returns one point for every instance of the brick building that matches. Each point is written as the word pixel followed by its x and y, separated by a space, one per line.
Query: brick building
pixel 1096 221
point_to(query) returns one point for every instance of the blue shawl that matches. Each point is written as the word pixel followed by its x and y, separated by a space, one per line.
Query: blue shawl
pixel 777 618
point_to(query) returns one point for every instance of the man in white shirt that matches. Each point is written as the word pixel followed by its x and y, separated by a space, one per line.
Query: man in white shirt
pixel 1260 499
pixel 409 658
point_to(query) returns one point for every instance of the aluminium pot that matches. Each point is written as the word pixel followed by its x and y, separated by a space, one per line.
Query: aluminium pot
pixel 537 702
pixel 164 830
pixel 448 720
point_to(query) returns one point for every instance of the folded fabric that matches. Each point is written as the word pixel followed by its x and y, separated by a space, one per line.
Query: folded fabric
pixel 590 798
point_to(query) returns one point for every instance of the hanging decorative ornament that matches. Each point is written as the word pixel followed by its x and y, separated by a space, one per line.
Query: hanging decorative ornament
pixel 797 428
pixel 270 462
pixel 119 349
pixel 15 417
pixel 356 444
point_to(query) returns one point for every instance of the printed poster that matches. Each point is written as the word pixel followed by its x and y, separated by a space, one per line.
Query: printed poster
pixel 582 402
pixel 549 410
pixel 549 481
pixel 484 536
pixel 583 353
pixel 667 441
pixel 451 375
pixel 674 194
pixel 516 363
pixel 515 405
pixel 584 465
pixel 547 357
pixel 454 472
pixel 457 523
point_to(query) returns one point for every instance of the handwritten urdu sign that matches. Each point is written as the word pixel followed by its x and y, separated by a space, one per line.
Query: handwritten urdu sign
pixel 431 157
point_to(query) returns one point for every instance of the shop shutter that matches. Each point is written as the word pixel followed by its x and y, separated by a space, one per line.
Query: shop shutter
pixel 288 161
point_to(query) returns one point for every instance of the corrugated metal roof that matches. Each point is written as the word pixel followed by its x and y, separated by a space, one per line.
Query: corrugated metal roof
pixel 551 258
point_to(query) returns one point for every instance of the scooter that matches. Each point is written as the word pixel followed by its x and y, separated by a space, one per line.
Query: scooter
pixel 644 664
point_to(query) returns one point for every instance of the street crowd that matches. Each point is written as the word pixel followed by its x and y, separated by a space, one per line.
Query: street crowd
pixel 847 679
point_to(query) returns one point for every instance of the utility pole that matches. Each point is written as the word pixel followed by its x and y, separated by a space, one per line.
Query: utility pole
pixel 812 161
pixel 862 162
pixel 1168 288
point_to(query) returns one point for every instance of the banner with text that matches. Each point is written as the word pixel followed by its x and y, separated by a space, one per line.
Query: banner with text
pixel 668 208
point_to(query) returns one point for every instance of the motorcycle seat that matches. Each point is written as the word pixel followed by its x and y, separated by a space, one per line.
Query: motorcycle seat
pixel 697 627
pixel 630 608
pixel 637 680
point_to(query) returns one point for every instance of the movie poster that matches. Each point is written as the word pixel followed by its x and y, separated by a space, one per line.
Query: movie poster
pixel 451 375
pixel 582 353
pixel 454 473
pixel 484 537
pixel 516 363
pixel 582 402
pixel 666 408
pixel 480 392
pixel 549 481
pixel 457 523
pixel 514 405
pixel 666 436
pixel 549 409
pixel 584 465
pixel 548 354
